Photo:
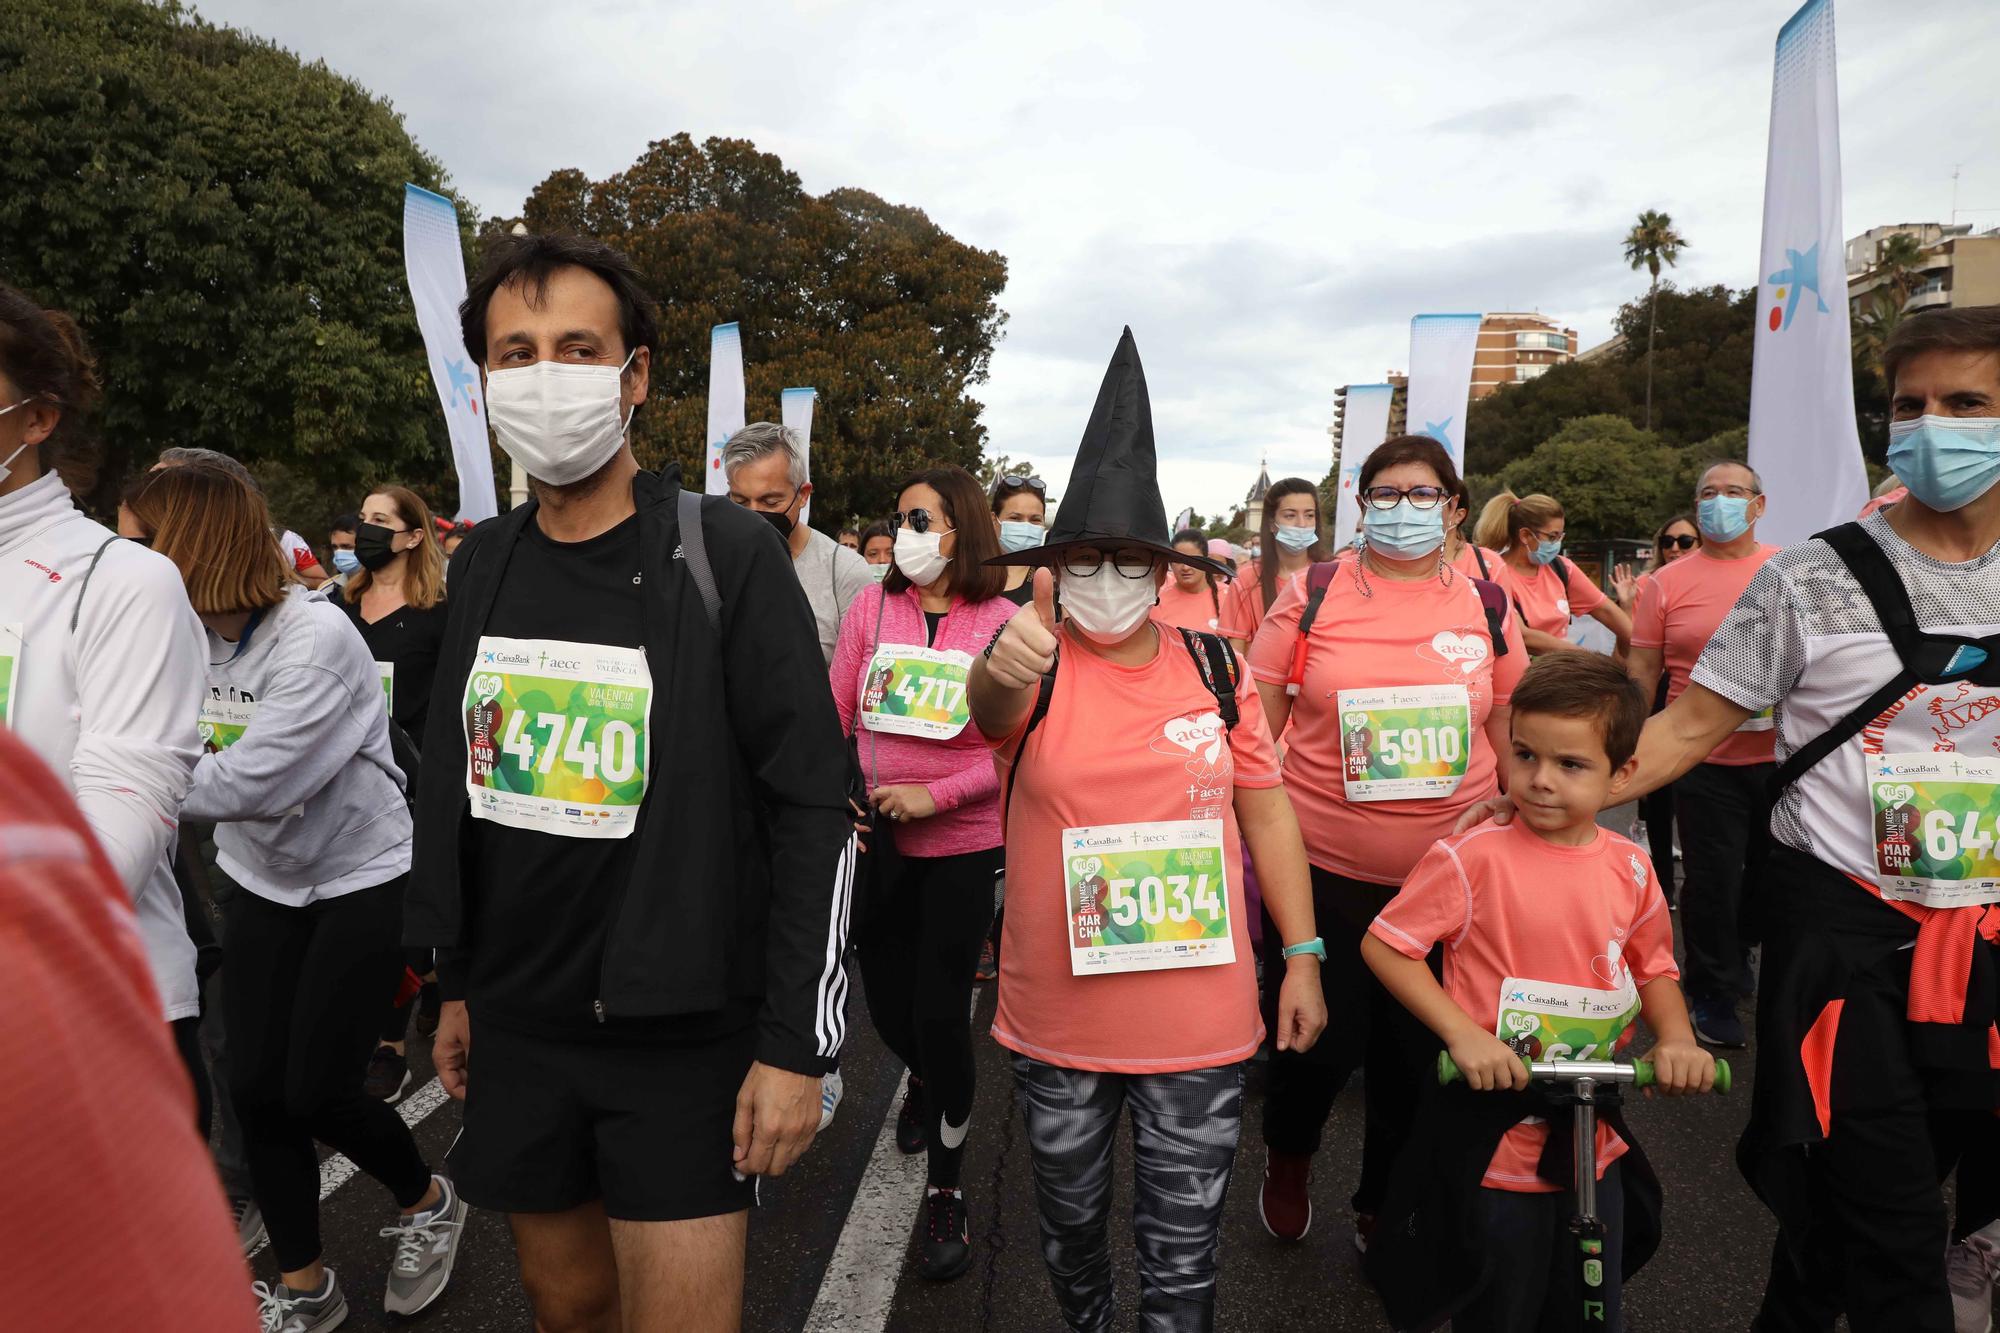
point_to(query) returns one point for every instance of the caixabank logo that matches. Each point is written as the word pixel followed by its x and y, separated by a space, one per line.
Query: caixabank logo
pixel 1799 276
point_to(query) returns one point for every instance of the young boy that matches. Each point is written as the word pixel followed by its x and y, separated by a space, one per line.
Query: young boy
pixel 1556 936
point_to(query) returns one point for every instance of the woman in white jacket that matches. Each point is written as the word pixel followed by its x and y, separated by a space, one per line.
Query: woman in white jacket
pixel 311 822
pixel 100 657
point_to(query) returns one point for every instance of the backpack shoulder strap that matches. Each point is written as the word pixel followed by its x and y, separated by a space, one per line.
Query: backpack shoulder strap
pixel 1493 600
pixel 1561 567
pixel 1217 662
pixel 76 607
pixel 1319 577
pixel 1043 693
pixel 694 553
pixel 1479 558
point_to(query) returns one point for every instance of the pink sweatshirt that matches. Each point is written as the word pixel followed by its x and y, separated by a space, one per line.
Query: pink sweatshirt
pixel 958 773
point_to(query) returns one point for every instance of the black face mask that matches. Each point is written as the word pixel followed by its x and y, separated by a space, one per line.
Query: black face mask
pixel 780 520
pixel 371 545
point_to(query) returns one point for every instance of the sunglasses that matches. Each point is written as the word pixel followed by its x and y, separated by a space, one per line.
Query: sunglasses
pixel 917 520
pixel 1035 484
pixel 1684 542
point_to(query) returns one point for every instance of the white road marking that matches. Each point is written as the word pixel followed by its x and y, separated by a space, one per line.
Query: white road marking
pixel 860 1283
pixel 336 1170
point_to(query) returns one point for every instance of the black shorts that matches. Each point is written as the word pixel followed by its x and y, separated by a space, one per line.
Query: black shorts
pixel 551 1125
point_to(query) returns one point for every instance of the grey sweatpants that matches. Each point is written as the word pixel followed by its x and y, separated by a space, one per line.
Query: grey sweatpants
pixel 1184 1132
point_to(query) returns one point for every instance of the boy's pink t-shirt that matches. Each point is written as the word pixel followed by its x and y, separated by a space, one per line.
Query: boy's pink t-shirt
pixel 1528 919
pixel 1544 604
pixel 1680 606
pixel 1398 632
pixel 1125 745
pixel 1196 610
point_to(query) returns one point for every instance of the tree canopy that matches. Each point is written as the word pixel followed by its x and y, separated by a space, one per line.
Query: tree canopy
pixel 1614 480
pixel 890 318
pixel 225 223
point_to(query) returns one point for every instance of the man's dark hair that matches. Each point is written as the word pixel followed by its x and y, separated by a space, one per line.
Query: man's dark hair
pixel 532 260
pixel 1971 329
pixel 1583 684
pixel 345 523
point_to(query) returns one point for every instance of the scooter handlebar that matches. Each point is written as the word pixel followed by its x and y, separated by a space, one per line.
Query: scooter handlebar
pixel 1639 1073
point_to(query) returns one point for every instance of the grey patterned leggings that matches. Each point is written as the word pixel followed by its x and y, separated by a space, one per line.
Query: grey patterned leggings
pixel 1184 1132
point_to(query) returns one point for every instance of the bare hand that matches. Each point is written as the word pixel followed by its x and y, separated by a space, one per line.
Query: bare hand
pixel 1488 1063
pixel 860 825
pixel 1301 1005
pixel 1500 810
pixel 1026 648
pixel 777 1114
pixel 1624 587
pixel 1682 1066
pixel 451 1046
pixel 904 803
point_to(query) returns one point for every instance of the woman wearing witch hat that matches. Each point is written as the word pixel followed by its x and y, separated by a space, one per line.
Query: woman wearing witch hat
pixel 1137 754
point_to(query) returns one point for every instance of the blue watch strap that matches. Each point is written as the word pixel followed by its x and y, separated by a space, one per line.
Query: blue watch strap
pixel 1314 946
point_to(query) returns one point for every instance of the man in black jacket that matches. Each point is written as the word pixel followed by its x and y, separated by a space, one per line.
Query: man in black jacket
pixel 633 848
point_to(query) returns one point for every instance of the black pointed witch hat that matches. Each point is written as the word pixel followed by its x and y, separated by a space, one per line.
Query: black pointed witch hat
pixel 1113 497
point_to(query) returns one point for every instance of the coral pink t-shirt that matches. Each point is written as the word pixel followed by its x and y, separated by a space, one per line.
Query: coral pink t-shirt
pixel 1544 603
pixel 1189 610
pixel 1680 606
pixel 1543 944
pixel 1243 602
pixel 1421 632
pixel 1125 745
pixel 1496 571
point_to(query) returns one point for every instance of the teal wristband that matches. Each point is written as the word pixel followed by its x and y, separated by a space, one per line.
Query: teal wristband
pixel 1314 946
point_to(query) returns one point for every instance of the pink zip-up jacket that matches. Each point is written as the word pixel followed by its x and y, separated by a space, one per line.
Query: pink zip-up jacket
pixel 958 773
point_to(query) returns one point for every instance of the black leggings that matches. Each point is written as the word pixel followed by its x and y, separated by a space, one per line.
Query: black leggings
pixel 1370 1031
pixel 919 947
pixel 186 1033
pixel 305 995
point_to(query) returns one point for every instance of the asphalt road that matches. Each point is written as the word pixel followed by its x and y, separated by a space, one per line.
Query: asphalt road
pixel 1706 1276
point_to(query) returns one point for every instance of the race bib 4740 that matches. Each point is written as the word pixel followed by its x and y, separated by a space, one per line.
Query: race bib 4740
pixel 1146 896
pixel 1405 742
pixel 556 736
pixel 1937 820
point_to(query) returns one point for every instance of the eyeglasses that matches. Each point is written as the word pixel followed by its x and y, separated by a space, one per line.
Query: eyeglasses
pixel 1733 492
pixel 1420 497
pixel 917 520
pixel 1547 537
pixel 1035 484
pixel 1131 562
pixel 1686 541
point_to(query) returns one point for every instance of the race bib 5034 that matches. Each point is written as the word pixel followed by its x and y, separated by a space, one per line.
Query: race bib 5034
pixel 556 735
pixel 1404 743
pixel 1146 896
pixel 1937 823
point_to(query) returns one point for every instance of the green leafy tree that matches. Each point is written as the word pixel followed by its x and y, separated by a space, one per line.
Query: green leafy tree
pixel 891 319
pixel 1702 363
pixel 993 467
pixel 1614 480
pixel 1509 424
pixel 226 224
pixel 1899 261
pixel 1651 243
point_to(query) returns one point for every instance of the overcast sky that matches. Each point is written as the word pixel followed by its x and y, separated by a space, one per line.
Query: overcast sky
pixel 1265 192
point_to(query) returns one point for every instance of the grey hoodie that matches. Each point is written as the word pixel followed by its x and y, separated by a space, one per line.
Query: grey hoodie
pixel 309 792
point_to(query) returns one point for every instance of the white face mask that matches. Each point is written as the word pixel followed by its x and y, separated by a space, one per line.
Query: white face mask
pixel 559 420
pixel 917 555
pixel 1106 606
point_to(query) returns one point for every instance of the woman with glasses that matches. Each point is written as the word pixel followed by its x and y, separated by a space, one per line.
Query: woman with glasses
pixel 395 597
pixel 1191 598
pixel 1547 590
pixel 1289 541
pixel 1396 727
pixel 1021 519
pixel 899 681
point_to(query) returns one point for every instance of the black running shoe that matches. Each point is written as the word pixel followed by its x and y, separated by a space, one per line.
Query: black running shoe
pixel 946 1251
pixel 428 1005
pixel 912 1135
pixel 388 1076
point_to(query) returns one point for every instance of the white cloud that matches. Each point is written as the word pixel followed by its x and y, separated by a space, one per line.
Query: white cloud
pixel 1266 192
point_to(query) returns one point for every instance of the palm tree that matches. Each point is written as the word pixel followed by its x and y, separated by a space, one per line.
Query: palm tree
pixel 1651 243
pixel 1899 261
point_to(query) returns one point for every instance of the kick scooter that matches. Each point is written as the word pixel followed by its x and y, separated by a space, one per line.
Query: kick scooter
pixel 1580 1081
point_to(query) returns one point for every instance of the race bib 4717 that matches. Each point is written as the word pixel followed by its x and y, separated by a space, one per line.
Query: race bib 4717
pixel 912 691
pixel 556 736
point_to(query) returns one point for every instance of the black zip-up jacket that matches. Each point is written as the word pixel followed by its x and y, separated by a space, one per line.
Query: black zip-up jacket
pixel 742 880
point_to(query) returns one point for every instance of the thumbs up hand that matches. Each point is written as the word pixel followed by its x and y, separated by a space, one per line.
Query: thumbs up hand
pixel 1026 649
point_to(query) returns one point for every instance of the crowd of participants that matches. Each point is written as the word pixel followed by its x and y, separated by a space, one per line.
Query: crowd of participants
pixel 1191 807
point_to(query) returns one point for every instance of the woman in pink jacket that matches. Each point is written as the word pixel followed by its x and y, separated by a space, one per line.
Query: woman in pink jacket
pixel 899 680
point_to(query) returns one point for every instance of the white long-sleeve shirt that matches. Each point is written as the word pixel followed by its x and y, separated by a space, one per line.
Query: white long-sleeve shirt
pixel 112 704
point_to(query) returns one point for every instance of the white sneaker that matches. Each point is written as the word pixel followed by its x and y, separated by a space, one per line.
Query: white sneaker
pixel 1970 1268
pixel 282 1310
pixel 830 1092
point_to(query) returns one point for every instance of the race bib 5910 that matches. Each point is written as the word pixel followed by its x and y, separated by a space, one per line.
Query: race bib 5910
pixel 1936 825
pixel 1141 897
pixel 912 691
pixel 1405 742
pixel 556 735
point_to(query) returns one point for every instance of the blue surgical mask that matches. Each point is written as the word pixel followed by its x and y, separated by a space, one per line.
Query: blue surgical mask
pixel 1404 532
pixel 1947 462
pixel 1296 539
pixel 345 561
pixel 1021 536
pixel 1547 551
pixel 1724 517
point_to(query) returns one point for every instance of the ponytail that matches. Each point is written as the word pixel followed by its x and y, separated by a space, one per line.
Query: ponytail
pixel 1507 513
